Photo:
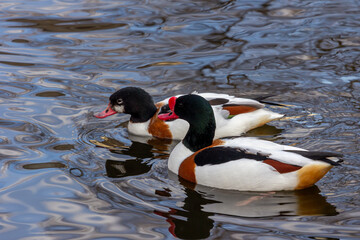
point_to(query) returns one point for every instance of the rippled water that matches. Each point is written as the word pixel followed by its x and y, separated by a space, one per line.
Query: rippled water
pixel 61 59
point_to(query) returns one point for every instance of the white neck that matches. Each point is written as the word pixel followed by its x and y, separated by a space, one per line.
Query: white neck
pixel 177 156
pixel 139 129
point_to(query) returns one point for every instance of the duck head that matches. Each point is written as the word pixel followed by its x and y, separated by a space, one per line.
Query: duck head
pixel 130 100
pixel 199 114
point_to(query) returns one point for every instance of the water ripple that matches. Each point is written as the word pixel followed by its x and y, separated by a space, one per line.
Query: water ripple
pixel 68 175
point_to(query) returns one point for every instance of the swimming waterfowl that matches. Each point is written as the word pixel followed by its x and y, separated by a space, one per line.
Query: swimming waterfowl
pixel 234 116
pixel 245 164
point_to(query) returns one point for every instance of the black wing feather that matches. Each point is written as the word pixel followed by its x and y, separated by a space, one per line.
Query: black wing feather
pixel 219 155
pixel 320 156
pixel 218 101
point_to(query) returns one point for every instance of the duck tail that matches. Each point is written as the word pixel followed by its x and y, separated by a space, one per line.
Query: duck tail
pixel 331 158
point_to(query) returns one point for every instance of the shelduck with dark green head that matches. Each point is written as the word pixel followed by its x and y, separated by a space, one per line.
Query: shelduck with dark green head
pixel 245 164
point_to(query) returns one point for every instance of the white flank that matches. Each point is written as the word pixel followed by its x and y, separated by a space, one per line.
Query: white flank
pixel 245 175
pixel 178 128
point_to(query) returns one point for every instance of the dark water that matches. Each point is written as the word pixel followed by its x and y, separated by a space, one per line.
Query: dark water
pixel 61 59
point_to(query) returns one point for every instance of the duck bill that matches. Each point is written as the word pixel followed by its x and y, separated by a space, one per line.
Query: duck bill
pixel 107 112
pixel 168 116
pixel 171 115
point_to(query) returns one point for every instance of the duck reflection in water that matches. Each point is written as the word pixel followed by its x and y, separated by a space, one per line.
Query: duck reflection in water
pixel 131 167
pixel 144 150
pixel 141 147
pixel 193 218
pixel 190 221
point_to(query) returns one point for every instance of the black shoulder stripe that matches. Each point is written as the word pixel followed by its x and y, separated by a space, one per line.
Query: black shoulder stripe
pixel 218 101
pixel 320 156
pixel 219 155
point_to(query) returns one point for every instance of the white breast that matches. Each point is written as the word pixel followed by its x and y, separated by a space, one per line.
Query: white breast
pixel 140 129
pixel 177 156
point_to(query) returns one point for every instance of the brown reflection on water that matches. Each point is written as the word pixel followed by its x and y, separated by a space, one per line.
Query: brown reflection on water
pixel 65 25
pixel 50 94
pixel 44 165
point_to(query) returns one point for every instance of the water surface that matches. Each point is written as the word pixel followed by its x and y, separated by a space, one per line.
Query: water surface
pixel 60 60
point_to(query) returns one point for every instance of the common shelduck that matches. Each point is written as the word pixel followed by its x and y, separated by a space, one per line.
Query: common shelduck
pixel 246 164
pixel 234 116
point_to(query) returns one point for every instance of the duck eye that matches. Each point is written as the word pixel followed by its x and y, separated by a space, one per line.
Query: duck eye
pixel 119 101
